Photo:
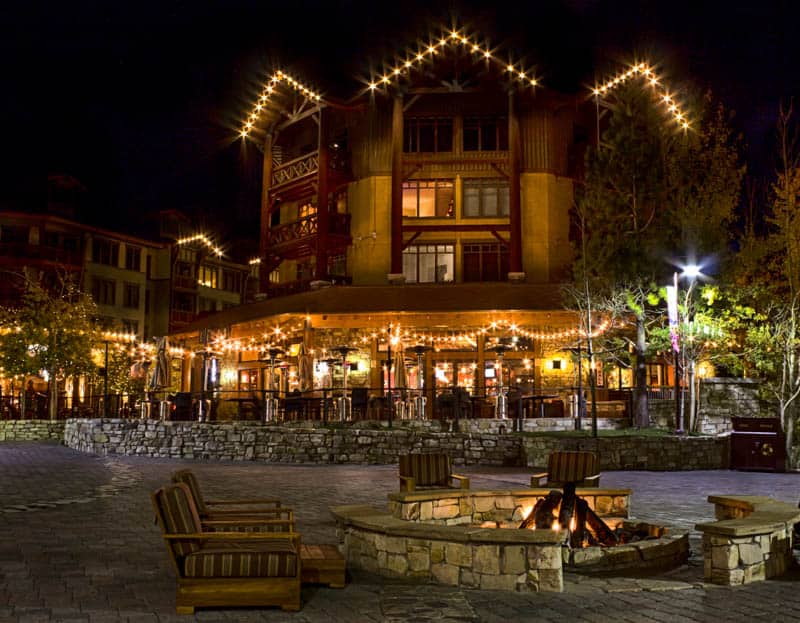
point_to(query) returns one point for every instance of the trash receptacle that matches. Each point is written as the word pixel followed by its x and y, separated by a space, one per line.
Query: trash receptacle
pixel 758 444
pixel 183 406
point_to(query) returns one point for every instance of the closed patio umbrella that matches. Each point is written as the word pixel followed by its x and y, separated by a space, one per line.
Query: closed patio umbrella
pixel 400 380
pixel 305 369
pixel 160 375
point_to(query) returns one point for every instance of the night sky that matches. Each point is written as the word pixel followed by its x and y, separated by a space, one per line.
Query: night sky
pixel 140 101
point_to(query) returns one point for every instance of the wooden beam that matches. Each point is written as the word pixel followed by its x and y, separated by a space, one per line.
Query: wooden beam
pixel 483 227
pixel 408 242
pixel 266 209
pixel 499 237
pixel 323 214
pixel 397 186
pixel 514 201
pixel 410 102
pixel 294 118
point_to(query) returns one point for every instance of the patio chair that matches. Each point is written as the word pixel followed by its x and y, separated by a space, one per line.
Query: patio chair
pixel 225 568
pixel 428 471
pixel 579 467
pixel 221 510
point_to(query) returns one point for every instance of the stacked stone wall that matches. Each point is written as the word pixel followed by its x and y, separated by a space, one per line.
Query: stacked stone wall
pixel 32 430
pixel 243 441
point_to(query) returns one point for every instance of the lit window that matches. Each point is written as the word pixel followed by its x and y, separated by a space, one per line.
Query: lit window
pixel 429 263
pixel 428 198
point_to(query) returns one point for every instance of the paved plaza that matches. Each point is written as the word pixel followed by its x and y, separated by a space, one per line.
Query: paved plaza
pixel 79 544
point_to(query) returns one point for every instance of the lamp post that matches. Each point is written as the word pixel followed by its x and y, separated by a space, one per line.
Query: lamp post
pixel 692 271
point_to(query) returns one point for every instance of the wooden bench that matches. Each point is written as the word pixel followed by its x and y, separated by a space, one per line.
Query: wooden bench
pixel 322 564
pixel 576 466
pixel 431 470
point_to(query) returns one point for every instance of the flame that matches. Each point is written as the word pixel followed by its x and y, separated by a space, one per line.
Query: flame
pixel 572 524
pixel 556 526
pixel 526 510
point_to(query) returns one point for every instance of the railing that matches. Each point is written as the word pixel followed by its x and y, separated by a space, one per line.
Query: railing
pixel 303 285
pixel 188 283
pixel 307 227
pixel 177 315
pixel 295 169
pixel 25 251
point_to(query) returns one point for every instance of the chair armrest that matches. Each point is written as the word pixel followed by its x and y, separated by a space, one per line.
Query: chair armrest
pixel 254 513
pixel 232 536
pixel 407 483
pixel 463 480
pixel 595 479
pixel 265 501
pixel 249 523
pixel 536 479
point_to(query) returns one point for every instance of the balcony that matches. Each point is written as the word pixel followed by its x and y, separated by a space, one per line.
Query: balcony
pixel 296 176
pixel 297 239
pixel 302 285
pixel 21 254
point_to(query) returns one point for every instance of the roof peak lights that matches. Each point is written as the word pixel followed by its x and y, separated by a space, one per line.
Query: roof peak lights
pixel 647 74
pixel 452 38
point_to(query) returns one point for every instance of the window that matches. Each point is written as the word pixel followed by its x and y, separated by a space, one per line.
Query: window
pixel 207 305
pixel 130 326
pixel 105 252
pixel 427 134
pixel 485 134
pixel 131 295
pixel 133 258
pixel 103 291
pixel 337 265
pixel 485 197
pixel 231 281
pixel 485 262
pixel 207 276
pixel 429 263
pixel 428 198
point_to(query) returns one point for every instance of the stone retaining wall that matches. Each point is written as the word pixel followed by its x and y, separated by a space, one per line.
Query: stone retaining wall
pixel 251 441
pixel 668 453
pixel 32 430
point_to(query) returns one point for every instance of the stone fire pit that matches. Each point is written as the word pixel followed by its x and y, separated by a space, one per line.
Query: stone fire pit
pixel 442 536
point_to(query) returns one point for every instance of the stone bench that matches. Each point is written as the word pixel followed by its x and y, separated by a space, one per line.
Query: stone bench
pixel 750 541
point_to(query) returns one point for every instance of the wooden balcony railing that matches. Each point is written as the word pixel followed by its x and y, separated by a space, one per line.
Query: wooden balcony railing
pixel 21 251
pixel 303 285
pixel 307 227
pixel 295 169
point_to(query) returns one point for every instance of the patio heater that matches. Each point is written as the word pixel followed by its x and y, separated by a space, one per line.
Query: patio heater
pixel 344 407
pixel 270 401
pixel 204 404
pixel 419 399
pixel 501 401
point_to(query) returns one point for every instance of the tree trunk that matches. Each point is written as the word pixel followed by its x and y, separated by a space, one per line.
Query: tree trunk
pixel 691 416
pixel 787 419
pixel 641 414
pixel 52 398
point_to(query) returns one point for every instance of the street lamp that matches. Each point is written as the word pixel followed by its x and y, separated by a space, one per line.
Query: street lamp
pixel 692 272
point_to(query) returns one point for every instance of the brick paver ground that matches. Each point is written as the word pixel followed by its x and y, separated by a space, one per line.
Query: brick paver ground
pixel 79 544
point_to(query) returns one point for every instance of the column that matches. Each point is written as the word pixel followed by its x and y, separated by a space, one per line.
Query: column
pixel 323 213
pixel 266 217
pixel 397 186
pixel 514 200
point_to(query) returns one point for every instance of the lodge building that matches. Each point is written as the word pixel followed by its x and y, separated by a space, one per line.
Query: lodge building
pixel 432 207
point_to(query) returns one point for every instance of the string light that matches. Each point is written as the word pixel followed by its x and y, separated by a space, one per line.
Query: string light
pixel 268 91
pixel 200 238
pixel 645 73
pixel 455 38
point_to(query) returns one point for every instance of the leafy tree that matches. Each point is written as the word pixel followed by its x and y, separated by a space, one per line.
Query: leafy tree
pixel 769 275
pixel 649 188
pixel 52 331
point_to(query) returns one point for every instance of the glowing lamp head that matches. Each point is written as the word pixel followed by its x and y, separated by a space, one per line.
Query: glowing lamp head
pixel 692 271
